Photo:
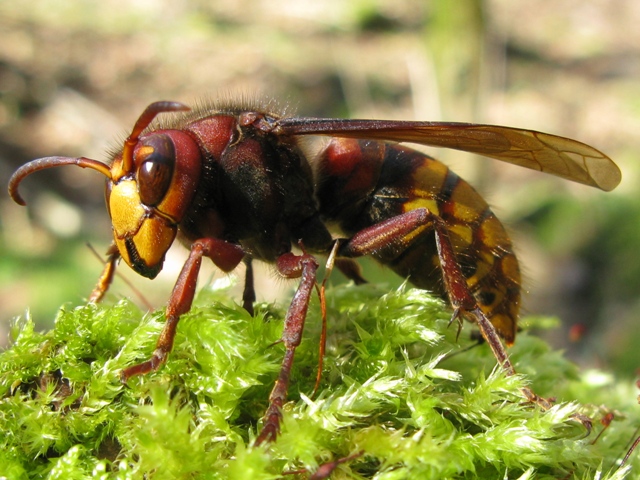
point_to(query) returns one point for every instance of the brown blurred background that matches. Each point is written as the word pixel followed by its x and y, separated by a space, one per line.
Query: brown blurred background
pixel 74 76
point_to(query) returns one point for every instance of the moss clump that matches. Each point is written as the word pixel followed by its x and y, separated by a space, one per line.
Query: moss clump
pixel 391 389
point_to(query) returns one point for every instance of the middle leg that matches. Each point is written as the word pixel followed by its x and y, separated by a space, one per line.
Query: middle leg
pixel 290 266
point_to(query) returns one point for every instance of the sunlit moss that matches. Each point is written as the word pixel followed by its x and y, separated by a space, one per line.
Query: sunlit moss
pixel 396 386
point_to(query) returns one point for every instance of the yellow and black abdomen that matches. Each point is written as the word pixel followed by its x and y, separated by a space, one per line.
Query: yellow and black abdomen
pixel 366 182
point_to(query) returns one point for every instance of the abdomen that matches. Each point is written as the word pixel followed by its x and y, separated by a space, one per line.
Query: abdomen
pixel 365 182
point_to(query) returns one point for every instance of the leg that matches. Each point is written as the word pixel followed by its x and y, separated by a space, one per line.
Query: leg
pixel 331 262
pixel 464 304
pixel 226 256
pixel 249 292
pixel 290 266
pixel 106 277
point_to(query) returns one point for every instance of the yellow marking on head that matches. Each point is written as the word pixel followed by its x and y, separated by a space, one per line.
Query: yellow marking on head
pixel 127 213
pixel 153 239
pixel 144 151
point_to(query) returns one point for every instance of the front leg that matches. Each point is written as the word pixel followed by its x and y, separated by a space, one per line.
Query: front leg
pixel 226 256
pixel 290 266
pixel 106 277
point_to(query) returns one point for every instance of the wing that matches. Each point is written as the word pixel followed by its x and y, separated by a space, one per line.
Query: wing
pixel 552 154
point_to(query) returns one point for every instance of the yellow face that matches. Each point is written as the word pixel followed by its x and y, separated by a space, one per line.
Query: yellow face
pixel 142 234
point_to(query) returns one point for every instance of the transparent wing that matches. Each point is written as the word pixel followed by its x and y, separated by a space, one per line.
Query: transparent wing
pixel 547 153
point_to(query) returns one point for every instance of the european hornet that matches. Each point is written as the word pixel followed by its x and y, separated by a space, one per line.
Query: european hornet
pixel 238 185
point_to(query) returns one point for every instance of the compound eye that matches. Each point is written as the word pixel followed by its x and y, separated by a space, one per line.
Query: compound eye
pixel 155 158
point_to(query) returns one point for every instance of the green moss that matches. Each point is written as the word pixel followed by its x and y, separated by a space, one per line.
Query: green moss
pixel 396 386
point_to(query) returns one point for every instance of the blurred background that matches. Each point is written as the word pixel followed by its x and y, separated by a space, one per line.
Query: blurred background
pixel 75 75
